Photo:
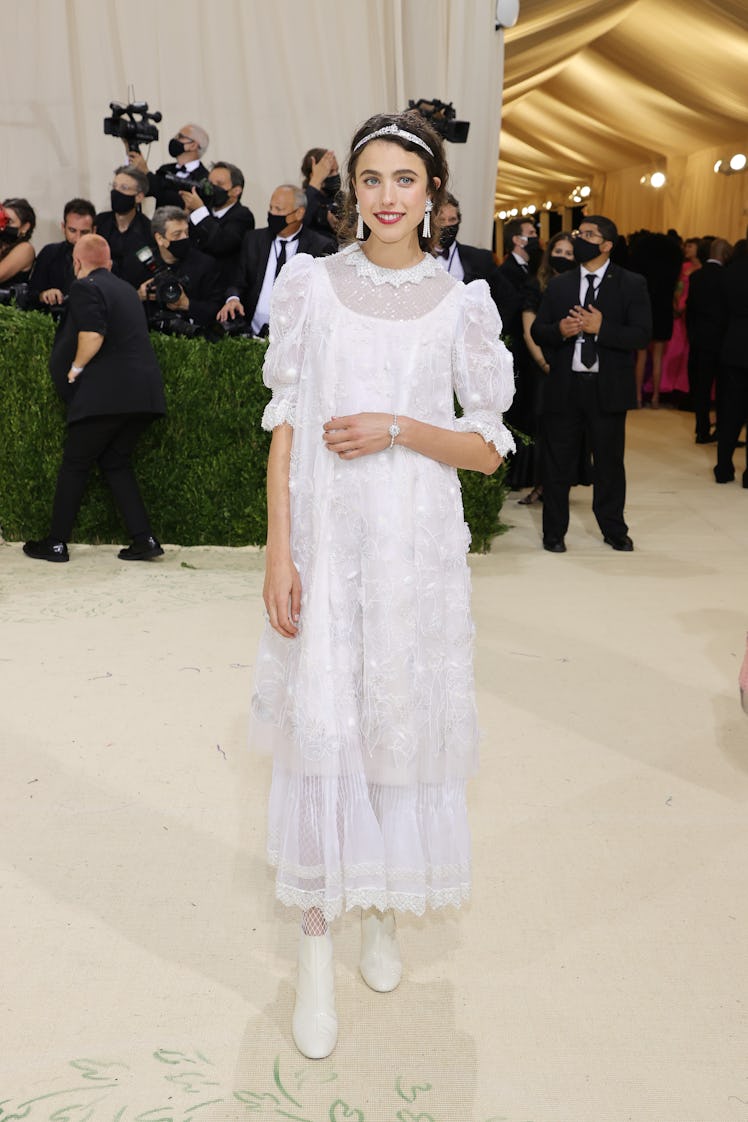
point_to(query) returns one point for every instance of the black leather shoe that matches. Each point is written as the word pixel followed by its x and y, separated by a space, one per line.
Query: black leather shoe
pixel 623 543
pixel 710 439
pixel 47 549
pixel 722 476
pixel 554 545
pixel 145 550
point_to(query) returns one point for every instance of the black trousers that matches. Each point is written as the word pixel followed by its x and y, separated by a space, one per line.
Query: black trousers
pixel 109 442
pixel 703 370
pixel 564 434
pixel 733 415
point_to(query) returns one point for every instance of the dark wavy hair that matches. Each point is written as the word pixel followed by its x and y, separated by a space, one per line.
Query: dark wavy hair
pixel 545 271
pixel 25 212
pixel 436 168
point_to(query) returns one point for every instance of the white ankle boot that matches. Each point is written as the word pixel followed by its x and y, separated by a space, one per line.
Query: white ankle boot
pixel 380 964
pixel 315 1022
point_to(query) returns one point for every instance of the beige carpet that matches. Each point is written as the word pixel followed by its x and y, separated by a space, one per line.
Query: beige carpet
pixel 599 974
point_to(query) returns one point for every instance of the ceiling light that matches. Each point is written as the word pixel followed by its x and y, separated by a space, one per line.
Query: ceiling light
pixel 643 179
pixel 548 205
pixel 585 192
pixel 718 165
pixel 738 161
pixel 532 208
pixel 502 215
pixel 658 179
pixel 514 212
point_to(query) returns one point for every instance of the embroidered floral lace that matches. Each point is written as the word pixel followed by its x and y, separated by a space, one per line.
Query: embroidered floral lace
pixel 369 712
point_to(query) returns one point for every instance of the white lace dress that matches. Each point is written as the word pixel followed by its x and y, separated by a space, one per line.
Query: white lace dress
pixel 369 712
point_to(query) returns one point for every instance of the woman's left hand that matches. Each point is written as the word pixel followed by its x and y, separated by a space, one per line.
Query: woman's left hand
pixel 359 435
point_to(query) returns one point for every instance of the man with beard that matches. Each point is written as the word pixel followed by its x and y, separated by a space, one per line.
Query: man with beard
pixel 53 270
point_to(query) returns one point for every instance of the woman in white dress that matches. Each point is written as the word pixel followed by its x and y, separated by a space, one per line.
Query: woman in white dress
pixel 364 688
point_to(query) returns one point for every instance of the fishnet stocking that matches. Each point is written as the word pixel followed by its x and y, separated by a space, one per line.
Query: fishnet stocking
pixel 313 922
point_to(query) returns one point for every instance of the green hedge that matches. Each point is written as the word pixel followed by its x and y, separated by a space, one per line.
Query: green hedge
pixel 202 470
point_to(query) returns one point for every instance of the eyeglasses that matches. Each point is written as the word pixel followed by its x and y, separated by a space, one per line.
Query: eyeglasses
pixel 124 190
pixel 587 236
pixel 183 136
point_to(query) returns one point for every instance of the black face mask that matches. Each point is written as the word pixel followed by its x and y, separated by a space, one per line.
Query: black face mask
pixel 9 235
pixel 179 249
pixel 448 235
pixel 217 198
pixel 561 264
pixel 585 251
pixel 176 147
pixel 533 251
pixel 278 222
pixel 121 203
pixel 331 185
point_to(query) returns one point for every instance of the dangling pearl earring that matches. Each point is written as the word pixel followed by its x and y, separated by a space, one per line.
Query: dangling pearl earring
pixel 427 219
pixel 360 224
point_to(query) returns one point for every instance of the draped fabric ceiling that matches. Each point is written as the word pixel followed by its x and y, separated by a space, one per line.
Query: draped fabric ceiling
pixel 601 92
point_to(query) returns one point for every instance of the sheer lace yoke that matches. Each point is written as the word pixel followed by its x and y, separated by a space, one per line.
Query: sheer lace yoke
pixel 396 294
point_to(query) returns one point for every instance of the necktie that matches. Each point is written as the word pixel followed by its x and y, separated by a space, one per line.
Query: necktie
pixel 281 258
pixel 589 347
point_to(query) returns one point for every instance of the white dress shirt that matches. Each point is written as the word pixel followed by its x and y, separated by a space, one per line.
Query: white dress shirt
pixel 576 362
pixel 262 311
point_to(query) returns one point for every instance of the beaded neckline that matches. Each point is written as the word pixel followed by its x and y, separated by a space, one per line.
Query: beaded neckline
pixel 377 274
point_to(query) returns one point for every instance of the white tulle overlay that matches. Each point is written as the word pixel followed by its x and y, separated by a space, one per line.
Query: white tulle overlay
pixel 369 712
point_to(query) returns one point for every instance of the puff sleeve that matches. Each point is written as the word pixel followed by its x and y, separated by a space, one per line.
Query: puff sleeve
pixel 483 371
pixel 284 357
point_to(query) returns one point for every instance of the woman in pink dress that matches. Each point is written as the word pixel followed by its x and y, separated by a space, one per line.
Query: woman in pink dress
pixel 675 359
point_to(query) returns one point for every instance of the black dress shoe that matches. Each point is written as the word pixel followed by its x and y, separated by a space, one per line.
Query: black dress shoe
pixel 622 543
pixel 554 545
pixel 710 438
pixel 47 549
pixel 145 549
pixel 722 475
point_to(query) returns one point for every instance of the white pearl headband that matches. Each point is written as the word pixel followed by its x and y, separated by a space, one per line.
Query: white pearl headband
pixel 394 130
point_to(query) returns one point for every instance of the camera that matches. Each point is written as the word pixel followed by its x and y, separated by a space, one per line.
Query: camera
pixel 172 323
pixel 19 295
pixel 124 125
pixel 165 286
pixel 210 193
pixel 236 328
pixel 441 116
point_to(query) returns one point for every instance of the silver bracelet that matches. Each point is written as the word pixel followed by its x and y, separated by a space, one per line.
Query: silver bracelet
pixel 77 369
pixel 393 430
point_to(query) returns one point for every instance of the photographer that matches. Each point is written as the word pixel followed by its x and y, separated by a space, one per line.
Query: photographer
pixel 53 272
pixel 17 222
pixel 176 260
pixel 321 183
pixel 219 222
pixel 187 147
pixel 124 227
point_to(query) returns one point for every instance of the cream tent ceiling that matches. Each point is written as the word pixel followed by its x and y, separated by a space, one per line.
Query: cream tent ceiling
pixel 595 87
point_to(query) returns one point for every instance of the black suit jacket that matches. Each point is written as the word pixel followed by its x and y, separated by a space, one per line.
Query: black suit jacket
pixel 124 376
pixel 256 249
pixel 164 193
pixel 53 268
pixel 705 313
pixel 734 288
pixel 623 299
pixel 222 238
pixel 478 264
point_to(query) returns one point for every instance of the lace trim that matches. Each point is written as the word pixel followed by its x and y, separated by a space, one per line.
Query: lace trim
pixel 416 903
pixel 490 428
pixel 353 255
pixel 279 411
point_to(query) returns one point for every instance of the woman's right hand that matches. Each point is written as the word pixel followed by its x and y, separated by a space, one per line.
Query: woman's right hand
pixel 282 595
